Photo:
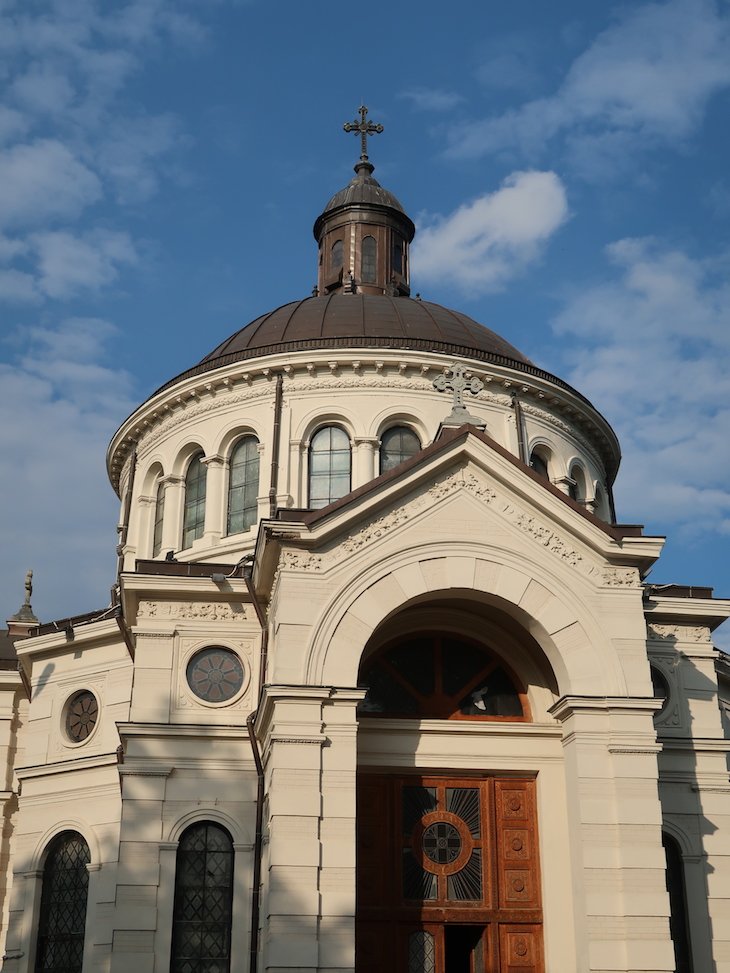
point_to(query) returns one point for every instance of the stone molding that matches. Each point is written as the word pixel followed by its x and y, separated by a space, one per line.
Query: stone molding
pixel 621 578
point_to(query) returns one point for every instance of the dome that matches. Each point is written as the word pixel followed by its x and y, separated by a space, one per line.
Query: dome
pixel 364 191
pixel 364 321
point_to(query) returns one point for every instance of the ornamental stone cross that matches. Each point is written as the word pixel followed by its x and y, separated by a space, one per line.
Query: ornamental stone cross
pixel 363 128
pixel 457 380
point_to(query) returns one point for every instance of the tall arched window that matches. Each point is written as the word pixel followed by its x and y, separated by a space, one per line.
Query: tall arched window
pixel 396 445
pixel 159 518
pixel 369 256
pixel 243 485
pixel 201 918
pixel 329 466
pixel 338 250
pixel 678 925
pixel 194 516
pixel 397 256
pixel 63 906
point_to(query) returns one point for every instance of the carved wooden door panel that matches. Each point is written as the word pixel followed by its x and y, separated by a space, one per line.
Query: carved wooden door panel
pixel 448 876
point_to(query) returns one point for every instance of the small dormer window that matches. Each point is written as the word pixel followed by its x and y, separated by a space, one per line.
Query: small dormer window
pixel 338 250
pixel 369 256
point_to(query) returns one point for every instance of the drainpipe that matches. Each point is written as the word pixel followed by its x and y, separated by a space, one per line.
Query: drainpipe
pixel 521 447
pixel 276 435
pixel 259 830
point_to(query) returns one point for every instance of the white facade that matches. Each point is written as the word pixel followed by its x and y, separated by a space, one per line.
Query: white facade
pixel 464 538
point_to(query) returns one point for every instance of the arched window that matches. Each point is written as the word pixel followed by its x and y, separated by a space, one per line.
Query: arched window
pixel 678 925
pixel 441 677
pixel 63 905
pixel 201 918
pixel 369 255
pixel 337 256
pixel 159 518
pixel 397 256
pixel 396 445
pixel 539 464
pixel 329 466
pixel 194 517
pixel 243 485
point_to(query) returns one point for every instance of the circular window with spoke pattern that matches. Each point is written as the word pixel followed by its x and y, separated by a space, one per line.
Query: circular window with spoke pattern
pixel 215 674
pixel 82 713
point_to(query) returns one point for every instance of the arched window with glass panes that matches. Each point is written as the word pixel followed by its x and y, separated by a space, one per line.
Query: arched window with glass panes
pixel 437 675
pixel 337 256
pixel 203 904
pixel 194 513
pixel 159 518
pixel 243 485
pixel 329 466
pixel 397 444
pixel 62 920
pixel 678 919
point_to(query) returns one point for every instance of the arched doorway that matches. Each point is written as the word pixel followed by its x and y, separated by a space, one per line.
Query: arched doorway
pixel 448 860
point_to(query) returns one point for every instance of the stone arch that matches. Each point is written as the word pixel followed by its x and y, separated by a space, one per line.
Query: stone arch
pixel 228 438
pixel 389 417
pixel 68 824
pixel 238 834
pixel 565 630
pixel 184 454
pixel 319 417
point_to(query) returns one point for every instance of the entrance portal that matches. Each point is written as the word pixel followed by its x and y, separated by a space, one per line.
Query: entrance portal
pixel 448 875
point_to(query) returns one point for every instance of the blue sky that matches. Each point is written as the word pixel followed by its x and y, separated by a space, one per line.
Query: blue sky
pixel 162 163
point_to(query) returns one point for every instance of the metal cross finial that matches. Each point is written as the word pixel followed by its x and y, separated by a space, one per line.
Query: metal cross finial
pixel 363 128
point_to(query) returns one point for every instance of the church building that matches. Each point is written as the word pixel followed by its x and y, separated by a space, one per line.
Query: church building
pixel 382 687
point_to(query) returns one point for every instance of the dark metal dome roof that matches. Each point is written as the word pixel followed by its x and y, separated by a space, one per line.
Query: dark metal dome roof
pixel 364 321
pixel 366 191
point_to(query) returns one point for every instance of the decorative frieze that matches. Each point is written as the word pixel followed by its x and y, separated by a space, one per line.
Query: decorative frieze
pixel 679 633
pixel 208 610
pixel 621 578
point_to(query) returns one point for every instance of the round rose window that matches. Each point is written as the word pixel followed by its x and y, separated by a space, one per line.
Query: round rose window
pixel 441 843
pixel 215 675
pixel 82 713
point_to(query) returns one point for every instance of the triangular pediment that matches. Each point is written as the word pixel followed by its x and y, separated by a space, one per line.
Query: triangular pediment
pixel 464 489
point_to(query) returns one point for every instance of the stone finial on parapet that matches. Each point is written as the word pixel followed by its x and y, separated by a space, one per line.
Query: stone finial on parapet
pixel 24 619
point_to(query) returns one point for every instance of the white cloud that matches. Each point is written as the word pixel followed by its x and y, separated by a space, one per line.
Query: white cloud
pixel 43 181
pixel 54 448
pixel 431 99
pixel 646 80
pixel 486 242
pixel 68 264
pixel 650 347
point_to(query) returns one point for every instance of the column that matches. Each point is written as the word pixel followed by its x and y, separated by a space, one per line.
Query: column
pixel 172 522
pixel 214 501
pixel 364 460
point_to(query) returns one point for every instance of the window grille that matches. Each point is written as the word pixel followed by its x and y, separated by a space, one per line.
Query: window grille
pixel 63 906
pixel 201 924
pixel 329 466
pixel 243 485
pixel 194 517
pixel 396 445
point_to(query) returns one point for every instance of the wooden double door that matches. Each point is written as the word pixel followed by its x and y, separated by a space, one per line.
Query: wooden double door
pixel 448 875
